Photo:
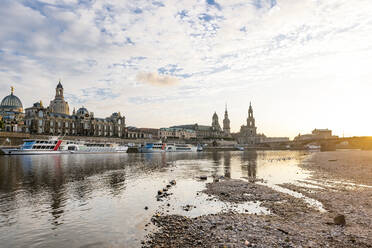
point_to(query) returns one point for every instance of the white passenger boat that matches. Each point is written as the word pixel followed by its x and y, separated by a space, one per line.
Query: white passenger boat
pixel 164 147
pixel 153 147
pixel 312 147
pixel 93 147
pixel 59 146
pixel 180 148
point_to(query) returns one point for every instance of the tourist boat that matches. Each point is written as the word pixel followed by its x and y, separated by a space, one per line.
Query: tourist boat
pixel 59 146
pixel 312 147
pixel 93 147
pixel 164 147
pixel 153 147
pixel 180 148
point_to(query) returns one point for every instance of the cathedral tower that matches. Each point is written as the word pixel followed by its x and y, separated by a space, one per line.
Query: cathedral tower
pixel 251 125
pixel 59 105
pixel 226 122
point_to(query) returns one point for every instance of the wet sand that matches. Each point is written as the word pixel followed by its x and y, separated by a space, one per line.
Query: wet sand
pixel 353 165
pixel 291 222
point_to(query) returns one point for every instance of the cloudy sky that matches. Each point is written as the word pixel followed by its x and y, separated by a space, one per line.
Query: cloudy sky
pixel 304 64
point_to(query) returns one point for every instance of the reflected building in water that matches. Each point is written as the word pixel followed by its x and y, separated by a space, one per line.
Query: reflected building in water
pixel 249 164
pixel 227 164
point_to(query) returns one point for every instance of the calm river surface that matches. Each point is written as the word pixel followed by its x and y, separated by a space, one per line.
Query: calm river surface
pixel 98 200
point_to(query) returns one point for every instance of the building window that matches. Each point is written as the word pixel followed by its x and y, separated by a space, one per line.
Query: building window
pixel 40 123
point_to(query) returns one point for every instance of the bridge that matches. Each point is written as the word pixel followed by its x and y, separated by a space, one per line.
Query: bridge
pixel 363 142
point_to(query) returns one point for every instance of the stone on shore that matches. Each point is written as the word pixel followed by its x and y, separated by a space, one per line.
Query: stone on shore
pixel 339 220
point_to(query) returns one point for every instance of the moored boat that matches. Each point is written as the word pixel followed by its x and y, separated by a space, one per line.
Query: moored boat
pixel 180 148
pixel 153 147
pixel 59 146
pixel 171 147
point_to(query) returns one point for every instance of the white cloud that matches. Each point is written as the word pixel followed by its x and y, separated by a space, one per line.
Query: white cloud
pixel 154 78
pixel 240 51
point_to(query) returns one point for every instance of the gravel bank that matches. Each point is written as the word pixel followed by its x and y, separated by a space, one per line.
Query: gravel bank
pixel 291 222
pixel 354 166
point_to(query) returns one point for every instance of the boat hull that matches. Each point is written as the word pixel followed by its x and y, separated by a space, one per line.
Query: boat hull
pixel 28 152
pixel 146 150
pixel 41 152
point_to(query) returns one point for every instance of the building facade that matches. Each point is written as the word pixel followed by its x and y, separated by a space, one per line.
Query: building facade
pixel 206 132
pixel 54 120
pixel 248 133
pixel 142 133
pixel 11 113
pixel 59 105
pixel 316 134
pixel 177 133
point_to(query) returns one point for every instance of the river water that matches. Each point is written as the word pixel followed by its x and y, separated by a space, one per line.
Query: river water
pixel 99 200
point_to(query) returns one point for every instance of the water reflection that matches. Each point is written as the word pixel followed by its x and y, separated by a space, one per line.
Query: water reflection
pixel 75 197
pixel 249 164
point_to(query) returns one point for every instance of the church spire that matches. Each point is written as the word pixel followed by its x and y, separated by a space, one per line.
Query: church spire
pixel 226 122
pixel 250 120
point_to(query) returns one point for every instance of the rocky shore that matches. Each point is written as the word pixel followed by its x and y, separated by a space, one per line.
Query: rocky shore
pixel 291 222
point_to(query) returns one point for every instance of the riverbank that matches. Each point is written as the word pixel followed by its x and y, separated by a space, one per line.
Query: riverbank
pixel 291 221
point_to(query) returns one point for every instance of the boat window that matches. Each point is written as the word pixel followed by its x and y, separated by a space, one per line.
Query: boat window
pixel 71 148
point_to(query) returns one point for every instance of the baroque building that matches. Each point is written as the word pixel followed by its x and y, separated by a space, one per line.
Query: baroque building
pixel 177 133
pixel 248 133
pixel 55 120
pixel 59 105
pixel 11 113
pixel 206 132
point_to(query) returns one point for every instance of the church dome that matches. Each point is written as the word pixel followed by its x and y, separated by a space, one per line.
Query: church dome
pixel 11 103
pixel 82 111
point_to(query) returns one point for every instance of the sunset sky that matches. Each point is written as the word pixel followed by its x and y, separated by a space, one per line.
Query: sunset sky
pixel 303 64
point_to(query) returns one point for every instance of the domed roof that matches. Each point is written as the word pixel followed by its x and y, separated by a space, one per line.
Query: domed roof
pixel 215 115
pixel 12 103
pixel 82 111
